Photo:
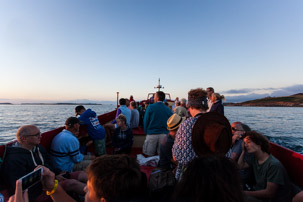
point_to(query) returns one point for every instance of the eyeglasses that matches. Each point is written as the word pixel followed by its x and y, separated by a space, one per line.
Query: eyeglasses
pixel 234 129
pixel 36 135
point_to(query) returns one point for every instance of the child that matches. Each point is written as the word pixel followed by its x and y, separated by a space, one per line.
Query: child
pixel 123 136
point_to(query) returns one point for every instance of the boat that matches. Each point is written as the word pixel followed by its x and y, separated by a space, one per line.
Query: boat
pixel 292 161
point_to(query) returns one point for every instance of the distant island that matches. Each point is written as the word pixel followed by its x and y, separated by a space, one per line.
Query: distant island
pixel 286 101
pixel 63 103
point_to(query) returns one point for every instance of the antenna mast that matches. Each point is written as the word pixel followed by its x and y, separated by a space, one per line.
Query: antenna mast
pixel 159 87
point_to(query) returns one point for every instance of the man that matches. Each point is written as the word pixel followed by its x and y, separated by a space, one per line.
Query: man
pixel 25 155
pixel 166 159
pixel 174 105
pixel 181 110
pixel 110 178
pixel 65 148
pixel 209 91
pixel 272 182
pixel 93 127
pixel 155 128
pixel 134 119
pixel 123 109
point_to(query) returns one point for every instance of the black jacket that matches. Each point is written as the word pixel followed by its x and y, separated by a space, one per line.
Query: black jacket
pixel 19 162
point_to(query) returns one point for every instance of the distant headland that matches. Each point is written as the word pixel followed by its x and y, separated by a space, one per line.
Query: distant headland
pixel 285 101
pixel 63 103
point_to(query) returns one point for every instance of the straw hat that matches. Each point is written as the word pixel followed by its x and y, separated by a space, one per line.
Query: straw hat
pixel 211 134
pixel 174 122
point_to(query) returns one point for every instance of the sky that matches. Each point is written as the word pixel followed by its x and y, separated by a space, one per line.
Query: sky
pixel 56 50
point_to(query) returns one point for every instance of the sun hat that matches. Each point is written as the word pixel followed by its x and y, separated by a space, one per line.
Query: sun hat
pixel 174 122
pixel 211 134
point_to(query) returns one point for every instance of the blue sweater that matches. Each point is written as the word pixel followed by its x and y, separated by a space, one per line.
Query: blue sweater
pixel 125 111
pixel 93 127
pixel 65 151
pixel 155 118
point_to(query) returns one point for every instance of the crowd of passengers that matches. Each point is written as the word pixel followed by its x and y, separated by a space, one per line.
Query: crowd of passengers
pixel 202 157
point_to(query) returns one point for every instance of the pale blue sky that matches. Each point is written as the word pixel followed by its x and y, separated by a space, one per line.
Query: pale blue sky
pixel 70 49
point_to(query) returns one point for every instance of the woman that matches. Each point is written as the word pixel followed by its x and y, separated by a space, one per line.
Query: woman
pixel 123 136
pixel 210 179
pixel 217 106
pixel 182 148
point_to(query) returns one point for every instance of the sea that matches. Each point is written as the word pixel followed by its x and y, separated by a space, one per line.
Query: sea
pixel 282 125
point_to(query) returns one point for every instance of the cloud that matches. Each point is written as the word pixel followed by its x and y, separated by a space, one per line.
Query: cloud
pixel 252 93
pixel 239 91
pixel 243 98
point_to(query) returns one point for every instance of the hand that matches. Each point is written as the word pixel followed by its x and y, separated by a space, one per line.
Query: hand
pixel 60 176
pixel 48 178
pixel 243 146
pixel 19 196
pixel 89 143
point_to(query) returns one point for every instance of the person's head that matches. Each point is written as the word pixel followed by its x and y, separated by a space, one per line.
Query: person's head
pixel 216 96
pixel 211 134
pixel 79 110
pixel 127 102
pixel 177 99
pixel 122 101
pixel 28 136
pixel 178 103
pixel 72 124
pixel 236 127
pixel 254 142
pixel 197 99
pixel 131 97
pixel 159 96
pixel 210 91
pixel 121 120
pixel 183 102
pixel 210 179
pixel 173 124
pixel 233 126
pixel 114 178
pixel 133 105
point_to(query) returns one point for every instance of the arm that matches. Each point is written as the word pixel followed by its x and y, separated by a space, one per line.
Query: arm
pixel 241 163
pixel 117 114
pixel 48 179
pixel 74 151
pixel 269 192
pixel 146 119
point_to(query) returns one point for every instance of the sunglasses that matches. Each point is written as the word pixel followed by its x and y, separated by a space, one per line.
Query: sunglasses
pixel 235 129
pixel 36 135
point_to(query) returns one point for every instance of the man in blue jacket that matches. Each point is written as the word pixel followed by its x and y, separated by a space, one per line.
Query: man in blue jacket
pixel 94 129
pixel 65 146
pixel 155 124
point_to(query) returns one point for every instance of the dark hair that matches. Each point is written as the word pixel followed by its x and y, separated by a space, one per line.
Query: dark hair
pixel 211 89
pixel 79 108
pixel 133 104
pixel 122 101
pixel 161 95
pixel 258 139
pixel 245 127
pixel 116 177
pixel 71 121
pixel 210 179
pixel 197 99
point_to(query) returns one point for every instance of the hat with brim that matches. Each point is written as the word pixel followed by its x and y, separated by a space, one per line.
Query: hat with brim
pixel 174 122
pixel 211 134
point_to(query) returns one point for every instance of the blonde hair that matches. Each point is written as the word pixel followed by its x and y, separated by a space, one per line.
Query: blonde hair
pixel 121 117
pixel 218 96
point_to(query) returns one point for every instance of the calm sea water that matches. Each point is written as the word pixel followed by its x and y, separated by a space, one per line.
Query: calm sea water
pixel 283 125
